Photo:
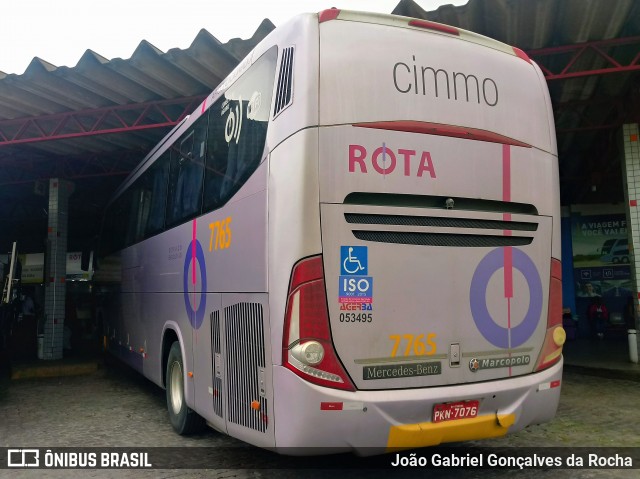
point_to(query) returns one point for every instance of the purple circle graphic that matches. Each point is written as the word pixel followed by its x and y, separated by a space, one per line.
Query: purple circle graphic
pixel 195 316
pixel 492 332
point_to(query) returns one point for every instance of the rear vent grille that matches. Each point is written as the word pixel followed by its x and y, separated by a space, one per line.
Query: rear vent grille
pixel 217 366
pixel 438 222
pixel 439 202
pixel 442 239
pixel 244 335
pixel 284 93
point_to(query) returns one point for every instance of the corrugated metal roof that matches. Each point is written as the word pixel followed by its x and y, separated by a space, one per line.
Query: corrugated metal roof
pixel 533 24
pixel 150 75
pixel 165 84
pixel 156 85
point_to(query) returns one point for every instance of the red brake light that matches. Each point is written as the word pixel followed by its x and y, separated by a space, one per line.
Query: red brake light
pixel 327 15
pixel 440 129
pixel 520 54
pixel 306 329
pixel 306 271
pixel 438 27
pixel 555 294
pixel 555 337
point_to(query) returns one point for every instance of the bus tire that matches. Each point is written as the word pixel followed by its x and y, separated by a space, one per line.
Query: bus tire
pixel 183 419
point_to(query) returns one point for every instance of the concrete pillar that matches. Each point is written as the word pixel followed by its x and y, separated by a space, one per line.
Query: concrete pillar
pixel 55 269
pixel 631 171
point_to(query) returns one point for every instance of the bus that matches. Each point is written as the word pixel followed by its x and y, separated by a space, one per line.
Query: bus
pixel 352 244
pixel 615 251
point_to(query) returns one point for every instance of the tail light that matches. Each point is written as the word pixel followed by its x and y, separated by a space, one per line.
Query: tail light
pixel 438 27
pixel 555 337
pixel 307 347
pixel 520 54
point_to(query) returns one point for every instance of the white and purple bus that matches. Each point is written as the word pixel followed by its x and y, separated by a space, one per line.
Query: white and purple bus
pixel 352 244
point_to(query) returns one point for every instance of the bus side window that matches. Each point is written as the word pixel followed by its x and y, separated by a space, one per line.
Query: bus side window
pixel 238 130
pixel 114 228
pixel 157 177
pixel 138 212
pixel 186 173
pixel 129 202
pixel 217 158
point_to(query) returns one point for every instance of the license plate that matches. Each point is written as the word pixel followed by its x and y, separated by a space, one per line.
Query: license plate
pixel 455 410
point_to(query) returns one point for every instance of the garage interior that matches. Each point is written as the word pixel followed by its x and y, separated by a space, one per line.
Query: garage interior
pixel 82 129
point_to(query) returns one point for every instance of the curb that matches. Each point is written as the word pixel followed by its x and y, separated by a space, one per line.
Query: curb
pixel 53 370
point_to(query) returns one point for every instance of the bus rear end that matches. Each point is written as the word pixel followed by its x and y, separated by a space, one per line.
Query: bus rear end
pixel 433 313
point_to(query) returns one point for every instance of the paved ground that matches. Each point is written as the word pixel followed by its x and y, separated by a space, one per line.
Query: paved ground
pixel 116 407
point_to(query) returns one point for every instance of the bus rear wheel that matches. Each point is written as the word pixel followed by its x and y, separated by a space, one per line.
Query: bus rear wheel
pixel 183 419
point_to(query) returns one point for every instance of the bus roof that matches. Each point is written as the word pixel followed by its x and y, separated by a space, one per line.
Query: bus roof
pixel 417 24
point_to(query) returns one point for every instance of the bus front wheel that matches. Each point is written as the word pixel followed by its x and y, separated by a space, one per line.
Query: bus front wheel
pixel 183 419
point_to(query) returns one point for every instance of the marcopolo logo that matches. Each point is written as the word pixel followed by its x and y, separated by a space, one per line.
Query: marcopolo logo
pixel 474 365
pixel 495 363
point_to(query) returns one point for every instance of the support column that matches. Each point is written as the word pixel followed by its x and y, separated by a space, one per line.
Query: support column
pixel 631 167
pixel 55 268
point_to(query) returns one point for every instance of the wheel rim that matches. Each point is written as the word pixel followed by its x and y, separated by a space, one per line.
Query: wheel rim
pixel 175 387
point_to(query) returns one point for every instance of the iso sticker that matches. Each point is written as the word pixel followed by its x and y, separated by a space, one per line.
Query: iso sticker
pixel 355 289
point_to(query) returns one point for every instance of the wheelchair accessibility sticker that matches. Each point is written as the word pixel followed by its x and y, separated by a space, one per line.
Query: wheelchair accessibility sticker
pixel 355 286
pixel 354 260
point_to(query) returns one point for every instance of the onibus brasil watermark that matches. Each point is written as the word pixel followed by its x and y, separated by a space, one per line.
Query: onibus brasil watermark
pixel 37 458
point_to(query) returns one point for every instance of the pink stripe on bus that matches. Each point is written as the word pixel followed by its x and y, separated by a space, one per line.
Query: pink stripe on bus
pixel 506 196
pixel 193 254
pixel 506 173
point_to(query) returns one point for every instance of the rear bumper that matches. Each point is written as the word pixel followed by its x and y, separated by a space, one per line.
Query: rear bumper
pixel 316 420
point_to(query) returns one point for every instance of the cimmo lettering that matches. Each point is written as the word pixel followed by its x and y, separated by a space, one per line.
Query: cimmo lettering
pixel 424 80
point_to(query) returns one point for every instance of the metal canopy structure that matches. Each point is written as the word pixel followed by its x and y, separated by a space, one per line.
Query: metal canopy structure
pixel 578 64
pixel 92 123
pixel 589 51
pixel 111 119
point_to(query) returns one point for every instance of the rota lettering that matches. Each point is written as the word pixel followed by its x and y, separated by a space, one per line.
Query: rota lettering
pixel 385 161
